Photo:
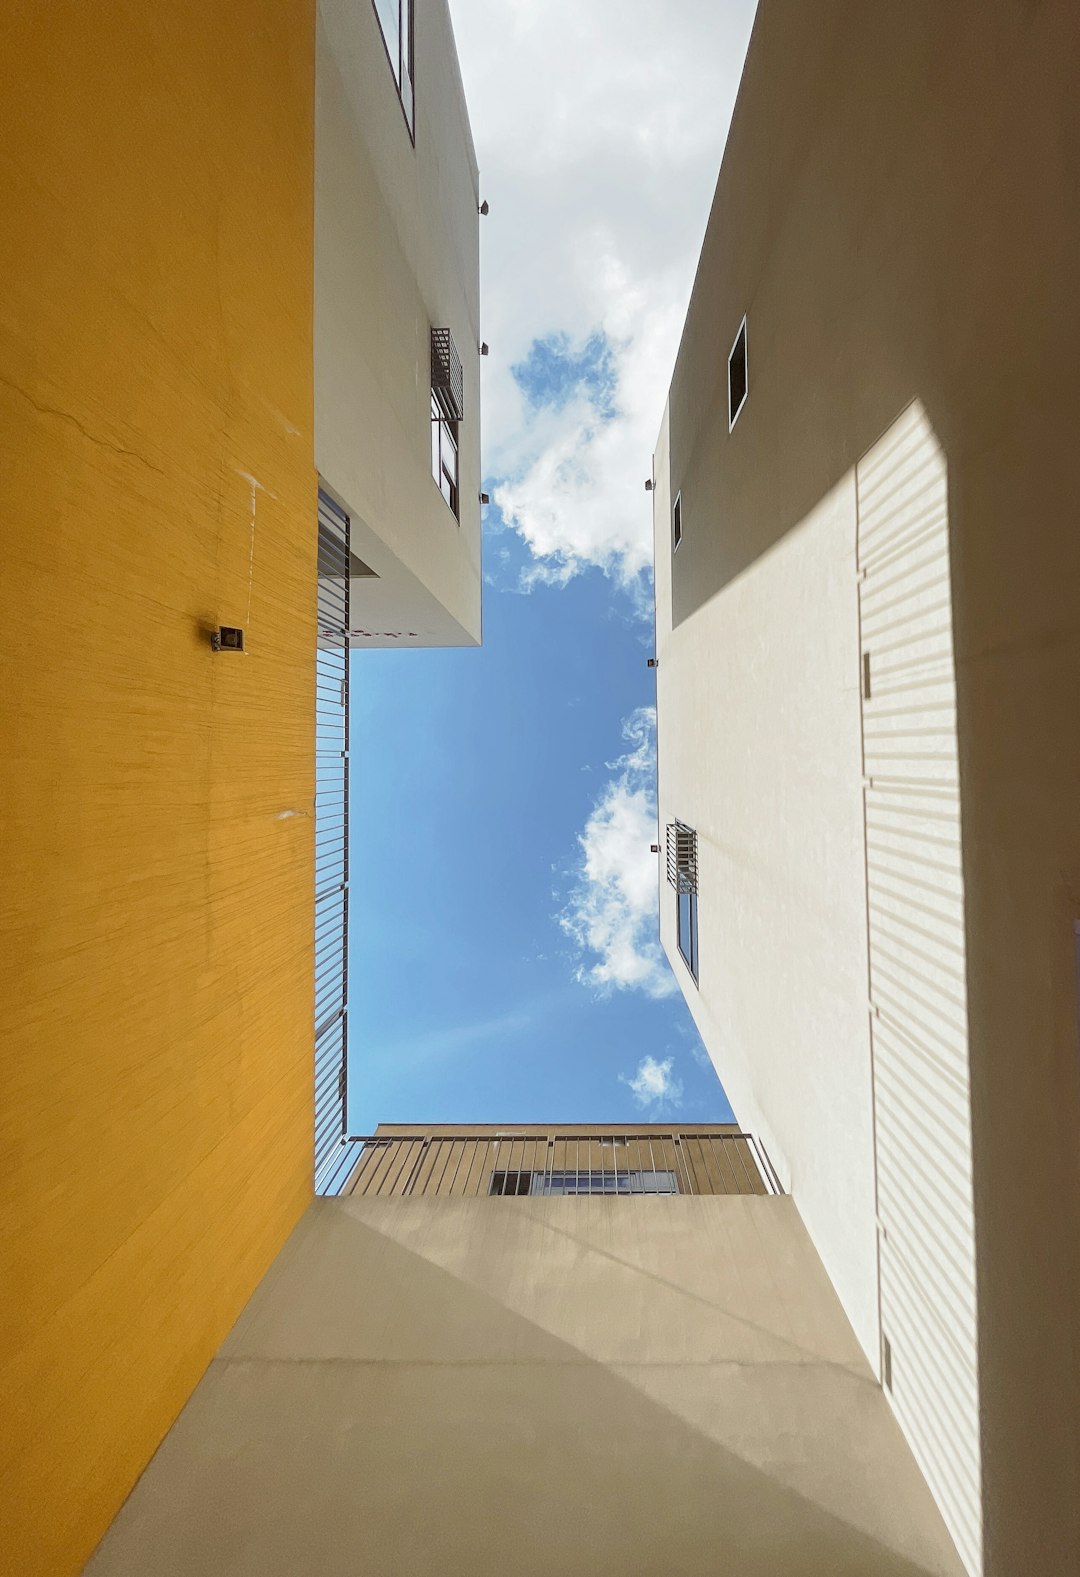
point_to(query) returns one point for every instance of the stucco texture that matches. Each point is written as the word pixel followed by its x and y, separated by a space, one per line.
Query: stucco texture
pixel 156 479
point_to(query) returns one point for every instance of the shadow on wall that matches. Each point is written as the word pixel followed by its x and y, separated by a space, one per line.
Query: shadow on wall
pixel 897 218
pixel 377 1410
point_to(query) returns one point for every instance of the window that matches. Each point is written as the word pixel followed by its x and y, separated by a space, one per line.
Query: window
pixel 606 1183
pixel 444 454
pixel 682 874
pixel 396 21
pixel 687 919
pixel 676 521
pixel 570 1182
pixel 447 410
pixel 737 383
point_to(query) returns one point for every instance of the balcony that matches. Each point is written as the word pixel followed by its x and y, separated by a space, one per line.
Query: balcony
pixel 571 1161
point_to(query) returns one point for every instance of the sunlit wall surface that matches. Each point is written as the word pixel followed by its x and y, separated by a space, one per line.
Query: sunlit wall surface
pixel 917 964
pixel 869 656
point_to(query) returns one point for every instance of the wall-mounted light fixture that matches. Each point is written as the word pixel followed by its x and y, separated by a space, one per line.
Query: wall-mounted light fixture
pixel 653 662
pixel 649 485
pixel 485 498
pixel 484 209
pixel 228 638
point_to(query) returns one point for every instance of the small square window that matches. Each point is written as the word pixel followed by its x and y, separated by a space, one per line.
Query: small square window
pixel 676 522
pixel 737 376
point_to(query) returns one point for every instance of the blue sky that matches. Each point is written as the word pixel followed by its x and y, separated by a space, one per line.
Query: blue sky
pixel 503 954
pixel 469 999
pixel 475 992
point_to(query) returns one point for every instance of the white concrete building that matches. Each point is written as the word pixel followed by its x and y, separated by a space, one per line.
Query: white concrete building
pixel 396 262
pixel 865 518
pixel 396 358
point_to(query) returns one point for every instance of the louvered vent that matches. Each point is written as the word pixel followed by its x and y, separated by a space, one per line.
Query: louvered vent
pixel 682 857
pixel 331 874
pixel 447 384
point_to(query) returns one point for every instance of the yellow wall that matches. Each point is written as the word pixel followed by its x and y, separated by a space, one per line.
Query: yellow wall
pixel 156 915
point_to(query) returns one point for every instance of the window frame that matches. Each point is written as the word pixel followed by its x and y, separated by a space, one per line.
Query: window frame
pixel 406 50
pixel 569 1183
pixel 498 1183
pixel 676 522
pixel 446 437
pixel 691 962
pixel 682 874
pixel 742 334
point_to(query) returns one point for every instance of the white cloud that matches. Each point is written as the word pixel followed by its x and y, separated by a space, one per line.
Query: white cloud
pixel 654 1085
pixel 611 913
pixel 599 127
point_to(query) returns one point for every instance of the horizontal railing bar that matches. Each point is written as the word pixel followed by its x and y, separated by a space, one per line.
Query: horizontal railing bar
pixel 556 1135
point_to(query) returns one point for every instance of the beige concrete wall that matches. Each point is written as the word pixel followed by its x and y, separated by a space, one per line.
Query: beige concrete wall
pixel 758 725
pixel 396 253
pixel 536 1387
pixel 896 214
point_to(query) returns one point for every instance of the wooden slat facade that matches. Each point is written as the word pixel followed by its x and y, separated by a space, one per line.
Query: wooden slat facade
pixel 448 1161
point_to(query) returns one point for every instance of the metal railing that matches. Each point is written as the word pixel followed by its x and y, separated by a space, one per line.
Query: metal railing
pixel 557 1164
pixel 447 382
pixel 682 857
pixel 331 838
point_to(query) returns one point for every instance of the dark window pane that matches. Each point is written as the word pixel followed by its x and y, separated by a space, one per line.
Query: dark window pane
pixel 737 376
pixel 605 1182
pixel 688 930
